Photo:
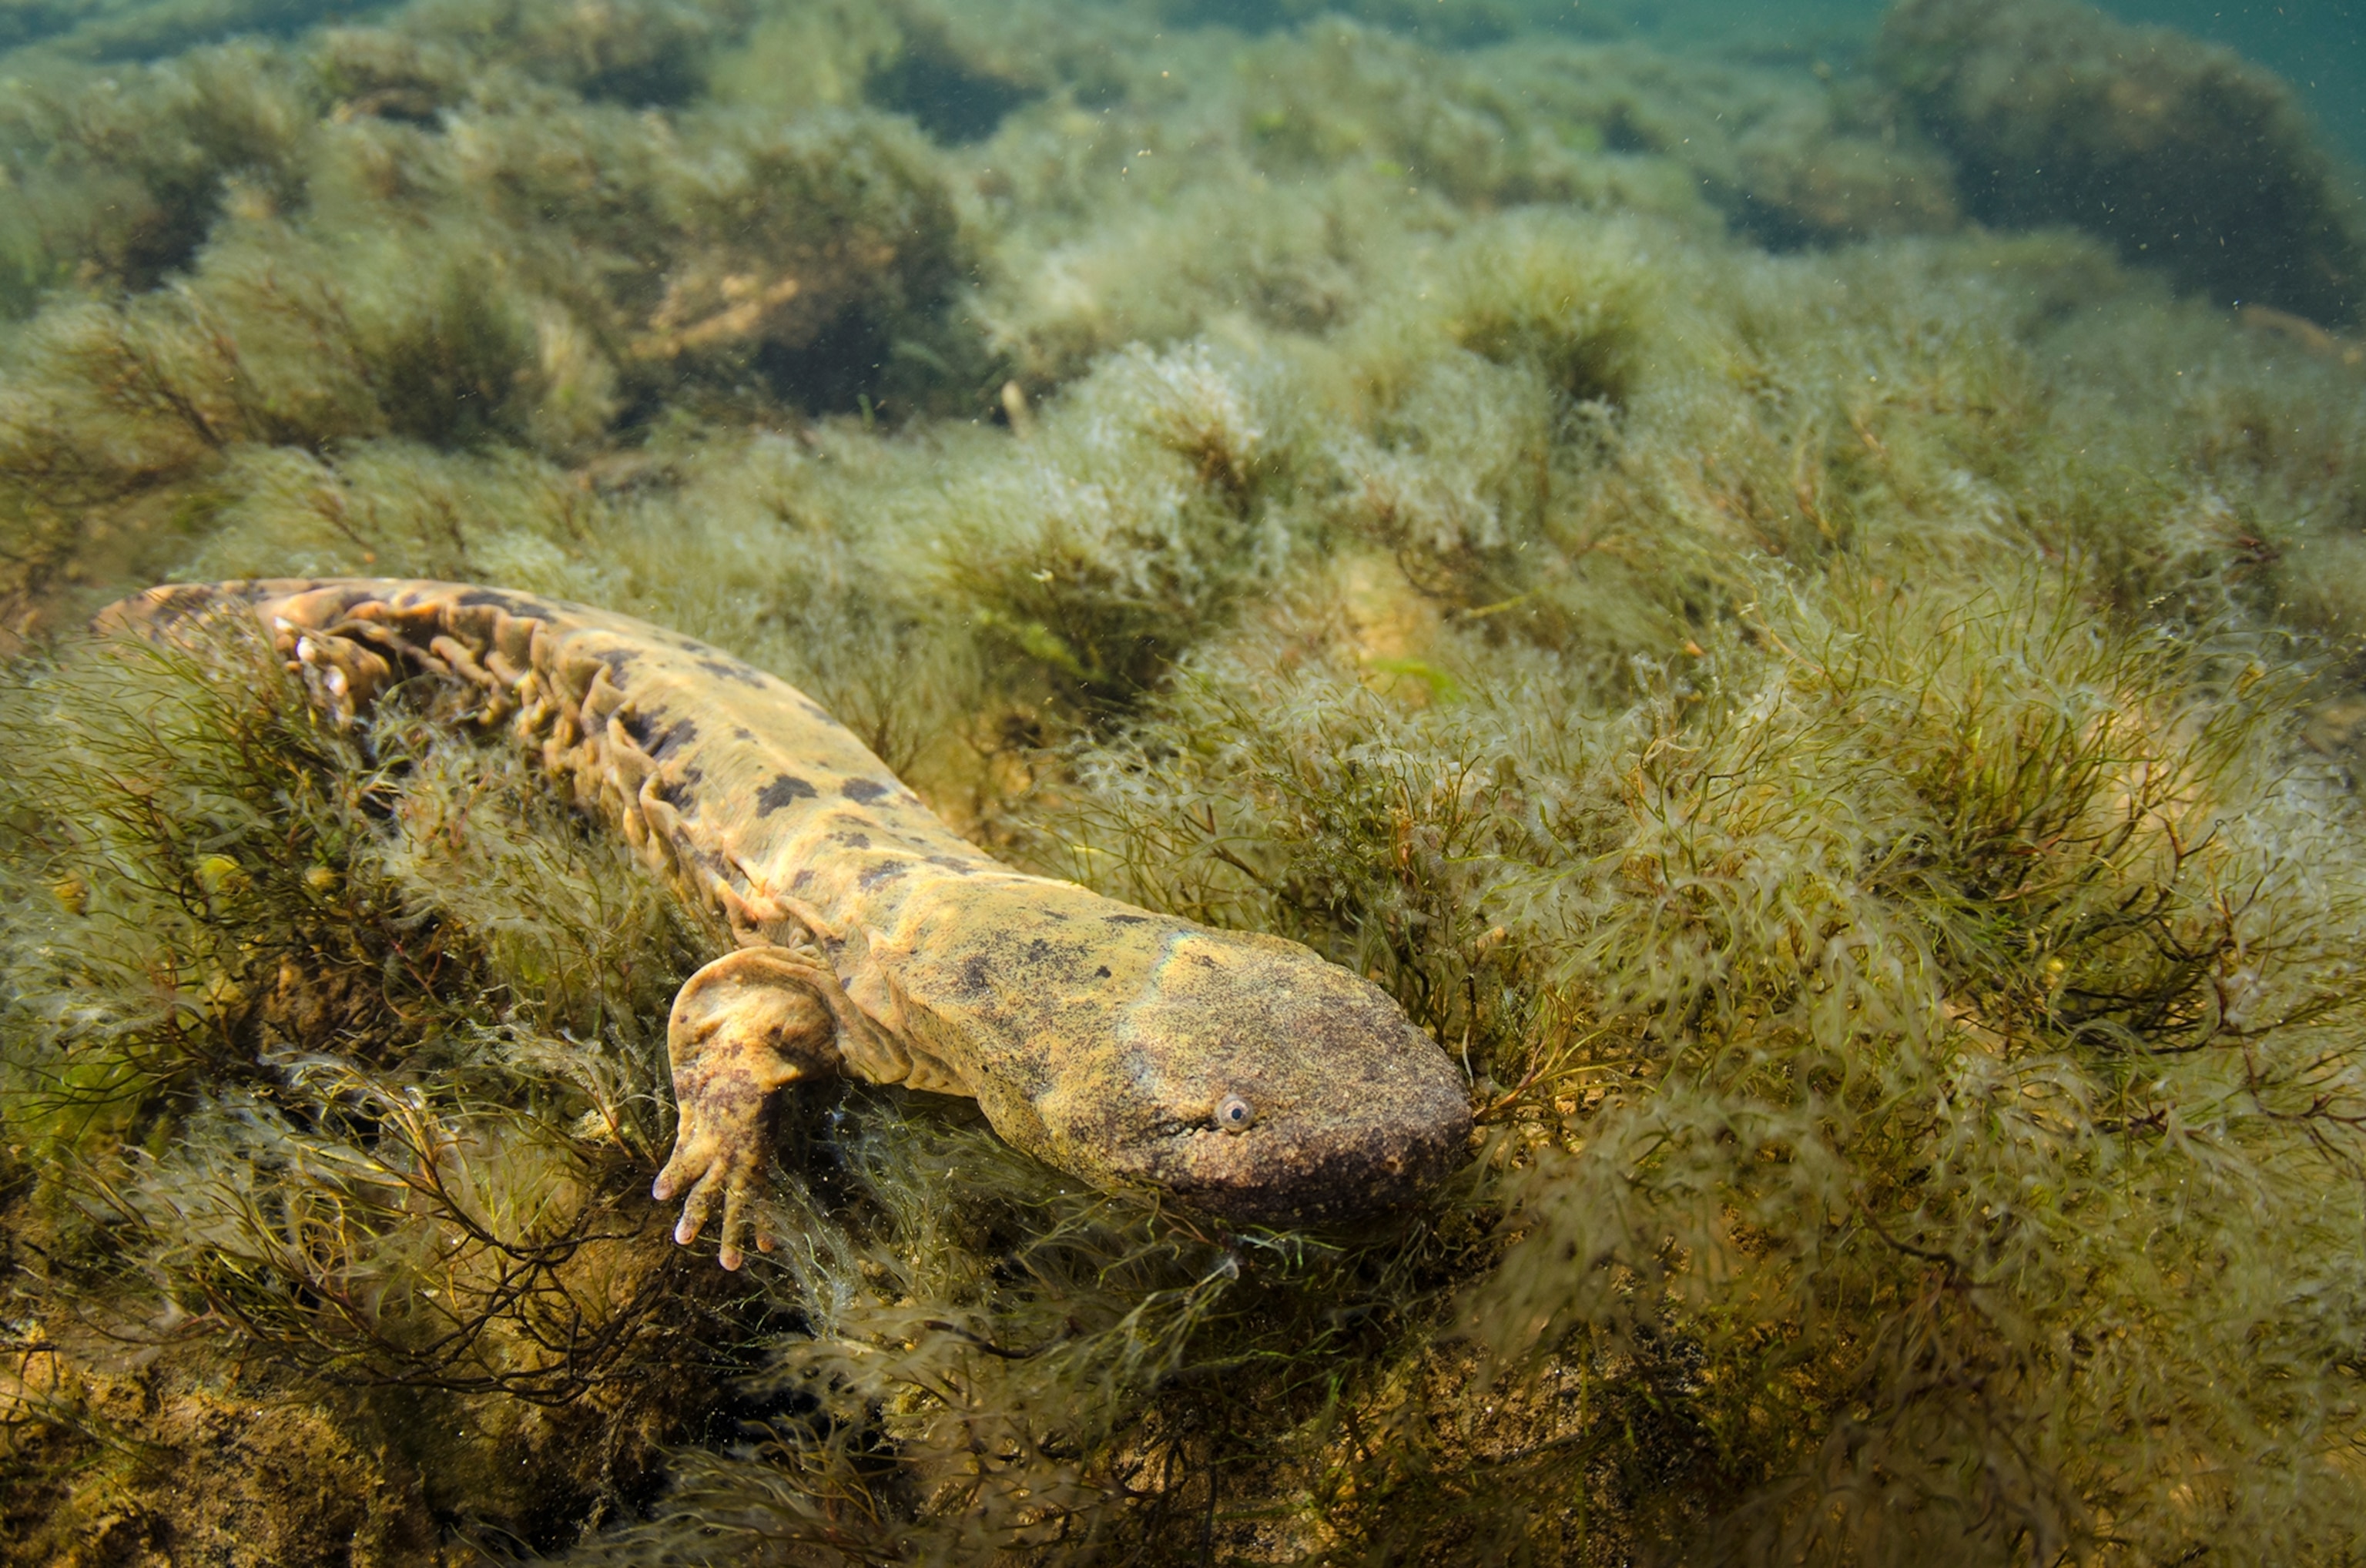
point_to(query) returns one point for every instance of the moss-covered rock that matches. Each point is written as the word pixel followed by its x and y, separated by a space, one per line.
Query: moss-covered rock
pixel 115 178
pixel 430 268
pixel 242 1478
pixel 2180 153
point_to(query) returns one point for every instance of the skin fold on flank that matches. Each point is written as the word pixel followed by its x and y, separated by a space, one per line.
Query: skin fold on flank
pixel 1242 1074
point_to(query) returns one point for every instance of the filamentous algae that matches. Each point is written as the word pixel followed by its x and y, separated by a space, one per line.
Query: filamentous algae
pixel 1817 665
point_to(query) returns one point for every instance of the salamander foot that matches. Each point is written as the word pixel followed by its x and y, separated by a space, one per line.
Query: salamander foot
pixel 742 1027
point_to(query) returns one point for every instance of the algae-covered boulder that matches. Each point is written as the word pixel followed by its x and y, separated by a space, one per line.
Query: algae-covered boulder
pixel 1792 159
pixel 2180 152
pixel 380 237
pixel 112 179
pixel 1808 176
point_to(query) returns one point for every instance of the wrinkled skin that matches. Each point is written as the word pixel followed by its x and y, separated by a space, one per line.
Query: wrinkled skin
pixel 1240 1074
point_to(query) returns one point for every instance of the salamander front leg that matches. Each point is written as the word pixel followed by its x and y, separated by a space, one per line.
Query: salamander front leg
pixel 742 1027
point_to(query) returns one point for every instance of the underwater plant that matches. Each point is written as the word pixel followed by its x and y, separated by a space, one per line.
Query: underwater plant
pixel 1648 932
pixel 245 1062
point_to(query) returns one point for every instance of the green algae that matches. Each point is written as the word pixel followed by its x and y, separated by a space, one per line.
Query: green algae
pixel 1841 723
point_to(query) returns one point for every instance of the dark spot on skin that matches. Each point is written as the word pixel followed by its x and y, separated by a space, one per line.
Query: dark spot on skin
pixel 618 660
pixel 1127 920
pixel 803 879
pixel 783 792
pixel 639 725
pixel 1203 960
pixel 518 604
pixel 886 871
pixel 815 710
pixel 1102 973
pixel 167 606
pixel 741 732
pixel 863 792
pixel 958 867
pixel 731 670
pixel 851 838
pixel 974 976
pixel 677 794
pixel 680 735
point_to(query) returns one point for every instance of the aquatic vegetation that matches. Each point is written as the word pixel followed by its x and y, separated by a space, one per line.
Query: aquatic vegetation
pixel 1130 526
pixel 434 1204
pixel 117 182
pixel 1842 722
pixel 1720 982
pixel 1792 159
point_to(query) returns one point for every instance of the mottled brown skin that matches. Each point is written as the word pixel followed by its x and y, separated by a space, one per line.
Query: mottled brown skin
pixel 1242 1074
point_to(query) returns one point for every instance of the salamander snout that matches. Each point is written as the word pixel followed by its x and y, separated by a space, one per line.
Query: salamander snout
pixel 1317 1161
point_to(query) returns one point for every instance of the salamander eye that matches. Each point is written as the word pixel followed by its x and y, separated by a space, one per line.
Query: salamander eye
pixel 1233 1114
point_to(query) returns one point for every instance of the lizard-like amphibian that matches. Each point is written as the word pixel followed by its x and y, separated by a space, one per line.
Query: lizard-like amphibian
pixel 1241 1073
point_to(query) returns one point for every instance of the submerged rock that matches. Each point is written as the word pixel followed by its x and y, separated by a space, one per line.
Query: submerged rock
pixel 2180 152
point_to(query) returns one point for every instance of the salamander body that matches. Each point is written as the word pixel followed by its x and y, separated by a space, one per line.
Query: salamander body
pixel 1242 1073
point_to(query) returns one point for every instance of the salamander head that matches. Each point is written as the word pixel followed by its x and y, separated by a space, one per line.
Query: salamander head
pixel 1261 1085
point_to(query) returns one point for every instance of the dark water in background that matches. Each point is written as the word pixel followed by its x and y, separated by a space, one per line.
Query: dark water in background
pixel 2319 45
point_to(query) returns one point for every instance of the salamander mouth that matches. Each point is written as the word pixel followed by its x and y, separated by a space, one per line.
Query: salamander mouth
pixel 1268 1177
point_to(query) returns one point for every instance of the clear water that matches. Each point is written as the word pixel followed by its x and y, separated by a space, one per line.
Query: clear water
pixel 1729 511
